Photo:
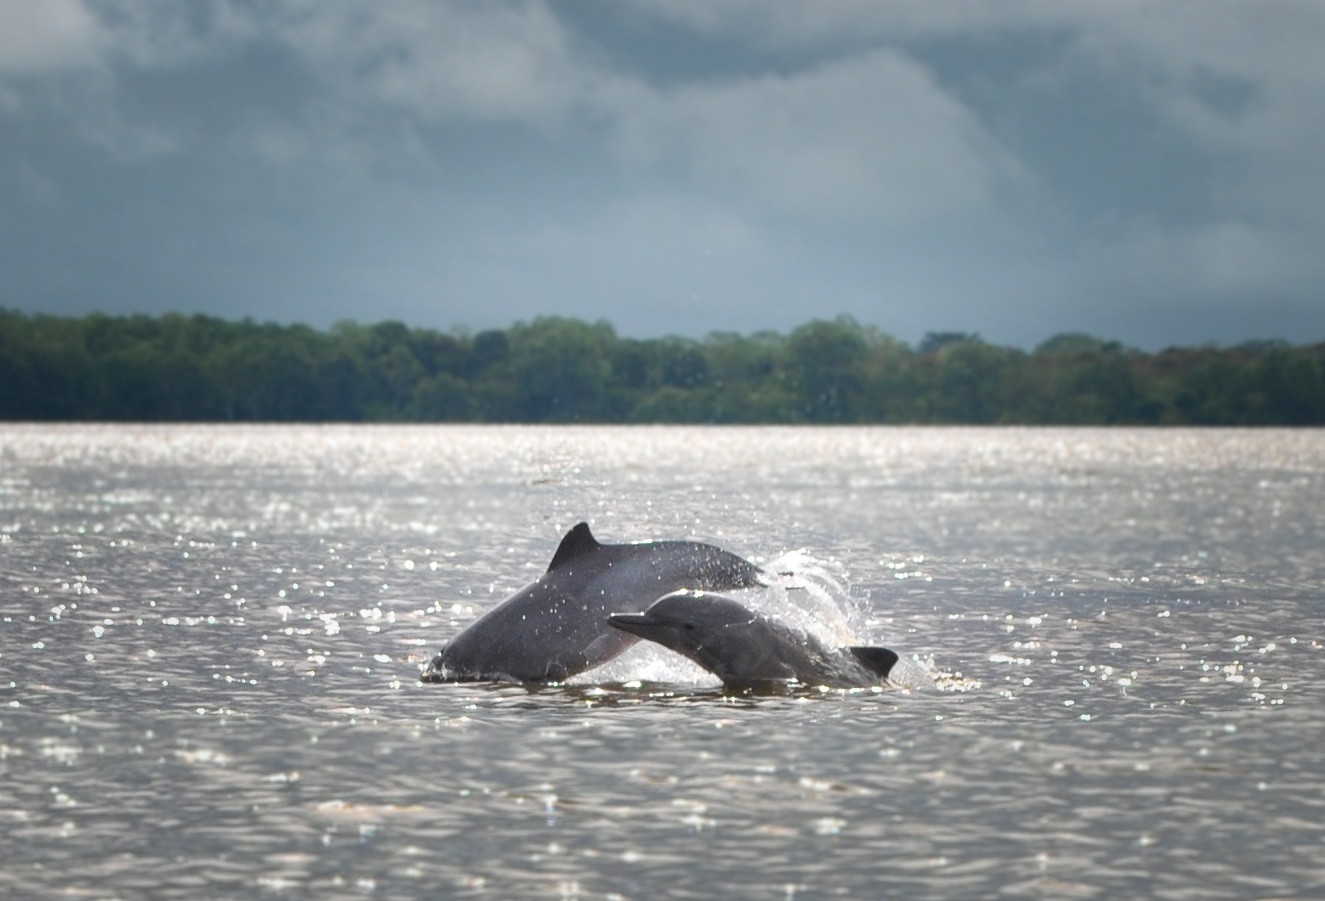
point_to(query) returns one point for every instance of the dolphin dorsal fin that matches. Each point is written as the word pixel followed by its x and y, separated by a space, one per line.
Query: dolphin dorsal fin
pixel 877 660
pixel 578 542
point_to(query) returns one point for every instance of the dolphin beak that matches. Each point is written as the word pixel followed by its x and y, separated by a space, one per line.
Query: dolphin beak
pixel 635 623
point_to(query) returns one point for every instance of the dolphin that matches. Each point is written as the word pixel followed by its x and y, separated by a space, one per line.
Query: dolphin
pixel 557 626
pixel 748 651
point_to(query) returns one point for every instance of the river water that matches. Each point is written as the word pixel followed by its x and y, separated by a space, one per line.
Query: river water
pixel 211 638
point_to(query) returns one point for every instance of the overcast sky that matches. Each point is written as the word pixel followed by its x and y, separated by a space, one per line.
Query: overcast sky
pixel 1152 172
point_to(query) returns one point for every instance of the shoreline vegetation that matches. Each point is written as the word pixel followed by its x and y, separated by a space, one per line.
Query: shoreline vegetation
pixel 178 368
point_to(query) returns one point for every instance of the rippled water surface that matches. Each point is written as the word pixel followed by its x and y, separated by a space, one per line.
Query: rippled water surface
pixel 211 638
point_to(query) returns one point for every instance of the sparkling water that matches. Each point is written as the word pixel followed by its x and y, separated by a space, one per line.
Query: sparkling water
pixel 211 636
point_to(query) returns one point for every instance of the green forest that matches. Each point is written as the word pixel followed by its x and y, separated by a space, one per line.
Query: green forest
pixel 203 369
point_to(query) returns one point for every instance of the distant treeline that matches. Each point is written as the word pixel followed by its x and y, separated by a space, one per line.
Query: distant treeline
pixel 197 368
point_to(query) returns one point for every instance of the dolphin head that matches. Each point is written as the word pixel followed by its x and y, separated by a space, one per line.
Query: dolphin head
pixel 737 645
pixel 684 621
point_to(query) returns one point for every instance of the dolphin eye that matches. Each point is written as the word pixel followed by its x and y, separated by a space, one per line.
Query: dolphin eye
pixel 689 627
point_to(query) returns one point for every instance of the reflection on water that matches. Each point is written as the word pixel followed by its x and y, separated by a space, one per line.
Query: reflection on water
pixel 210 637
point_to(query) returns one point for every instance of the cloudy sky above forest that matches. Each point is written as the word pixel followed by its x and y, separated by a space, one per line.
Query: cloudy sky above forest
pixel 1152 172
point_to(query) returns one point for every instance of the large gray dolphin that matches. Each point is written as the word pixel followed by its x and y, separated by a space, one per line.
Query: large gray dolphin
pixel 557 626
pixel 748 651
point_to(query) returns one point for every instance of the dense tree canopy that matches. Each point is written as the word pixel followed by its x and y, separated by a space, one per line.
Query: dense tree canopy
pixel 197 368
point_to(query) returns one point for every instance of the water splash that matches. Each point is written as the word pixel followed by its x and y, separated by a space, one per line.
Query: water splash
pixel 811 594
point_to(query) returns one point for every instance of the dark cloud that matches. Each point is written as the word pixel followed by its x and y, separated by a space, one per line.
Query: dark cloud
pixel 1149 172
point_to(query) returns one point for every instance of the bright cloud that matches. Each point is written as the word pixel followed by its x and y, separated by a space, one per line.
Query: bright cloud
pixel 47 36
pixel 868 136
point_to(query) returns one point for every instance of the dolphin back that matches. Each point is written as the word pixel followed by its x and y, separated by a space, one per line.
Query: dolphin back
pixel 697 566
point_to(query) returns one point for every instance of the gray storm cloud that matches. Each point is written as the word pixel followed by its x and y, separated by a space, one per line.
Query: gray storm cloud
pixel 1149 171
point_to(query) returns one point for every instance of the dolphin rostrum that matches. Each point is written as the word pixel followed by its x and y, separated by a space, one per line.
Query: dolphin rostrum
pixel 557 626
pixel 749 651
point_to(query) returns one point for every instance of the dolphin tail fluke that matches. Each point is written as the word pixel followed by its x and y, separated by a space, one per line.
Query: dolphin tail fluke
pixel 877 660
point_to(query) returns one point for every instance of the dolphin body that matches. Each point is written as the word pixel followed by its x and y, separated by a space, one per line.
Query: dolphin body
pixel 557 626
pixel 748 651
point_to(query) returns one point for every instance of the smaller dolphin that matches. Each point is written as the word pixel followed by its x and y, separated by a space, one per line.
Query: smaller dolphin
pixel 557 626
pixel 748 651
